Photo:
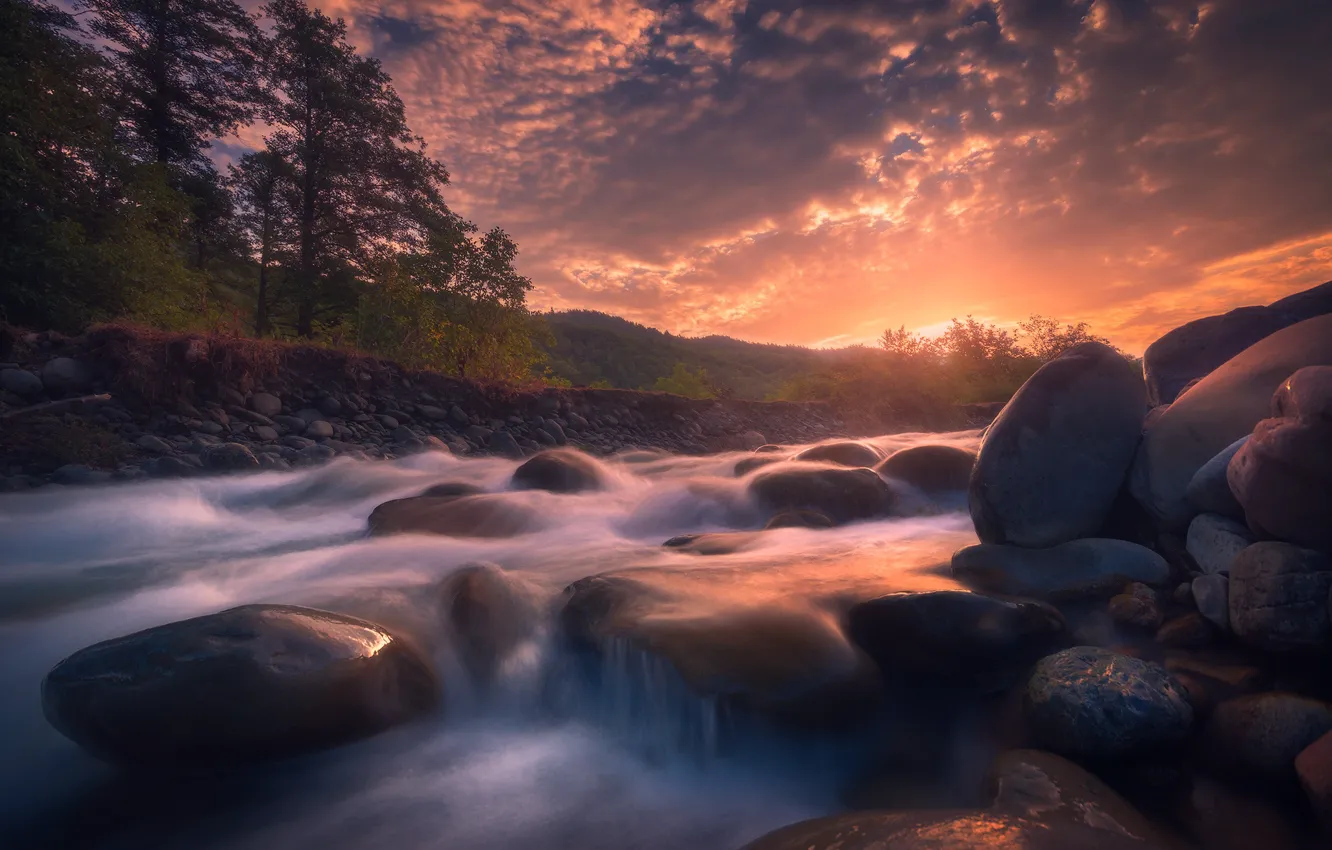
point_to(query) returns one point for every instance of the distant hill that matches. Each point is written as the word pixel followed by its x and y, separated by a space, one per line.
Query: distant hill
pixel 592 347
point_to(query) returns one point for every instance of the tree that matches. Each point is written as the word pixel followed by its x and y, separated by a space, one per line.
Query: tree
pixel 903 343
pixel 686 382
pixel 186 71
pixel 257 183
pixel 1046 340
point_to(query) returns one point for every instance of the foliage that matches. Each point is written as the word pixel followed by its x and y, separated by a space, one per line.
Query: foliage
pixel 686 382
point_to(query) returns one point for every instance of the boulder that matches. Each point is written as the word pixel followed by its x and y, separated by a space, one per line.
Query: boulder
pixel 1222 408
pixel 1259 736
pixel 229 457
pixel 931 469
pixel 1211 594
pixel 1282 478
pixel 503 443
pixel 328 405
pixel 1187 631
pixel 452 489
pixel 266 404
pixel 843 453
pixel 1314 767
pixel 490 614
pixel 1209 489
pixel 559 471
pixel 1094 703
pixel 310 414
pixel 954 637
pixel 752 439
pixel 254 682
pixel 1279 597
pixel 434 414
pixel 1092 567
pixel 21 383
pixel 154 444
pixel 842 495
pixel 798 519
pixel 1305 395
pixel 1213 541
pixel 66 376
pixel 1137 608
pixel 1051 465
pixel 467 516
pixel 744 466
pixel 266 433
pixel 318 430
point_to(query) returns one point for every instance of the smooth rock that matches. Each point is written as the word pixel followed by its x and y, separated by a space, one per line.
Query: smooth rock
pixel 254 682
pixel 1094 703
pixel 1279 597
pixel 747 465
pixel 1259 736
pixel 229 457
pixel 155 444
pixel 798 519
pixel 490 614
pixel 842 495
pixel 1222 408
pixel 78 475
pixel 1189 631
pixel 1138 608
pixel 266 404
pixel 66 376
pixel 1314 767
pixel 469 516
pixel 1214 542
pixel 1209 490
pixel 1052 464
pixel 265 433
pixel 434 414
pixel 713 543
pixel 329 406
pixel 844 453
pixel 310 414
pixel 1282 478
pixel 559 471
pixel 20 382
pixel 1305 395
pixel 1211 594
pixel 318 430
pixel 1090 567
pixel 931 469
pixel 503 443
pixel 169 467
pixel 453 489
pixel 751 440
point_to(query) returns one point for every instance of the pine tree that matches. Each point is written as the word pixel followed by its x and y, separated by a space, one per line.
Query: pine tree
pixel 259 183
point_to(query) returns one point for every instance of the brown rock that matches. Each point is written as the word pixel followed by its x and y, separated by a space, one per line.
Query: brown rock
pixel 1282 478
pixel 1314 767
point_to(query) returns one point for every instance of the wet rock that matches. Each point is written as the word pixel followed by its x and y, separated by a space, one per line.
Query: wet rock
pixel 503 443
pixel 1279 597
pixel 842 495
pixel 468 516
pixel 21 383
pixel 798 519
pixel 66 376
pixel 1094 703
pixel 931 469
pixel 266 404
pixel 747 465
pixel 155 444
pixel 1305 395
pixel 713 543
pixel 961 639
pixel 1092 567
pixel 490 613
pixel 1282 477
pixel 1137 608
pixel 1214 542
pixel 1189 631
pixel 1222 408
pixel 294 442
pixel 229 457
pixel 249 683
pixel 1211 594
pixel 559 471
pixel 1259 736
pixel 1209 491
pixel 318 430
pixel 1314 767
pixel 313 455
pixel 1217 816
pixel 1052 464
pixel 1211 679
pixel 453 489
pixel 844 453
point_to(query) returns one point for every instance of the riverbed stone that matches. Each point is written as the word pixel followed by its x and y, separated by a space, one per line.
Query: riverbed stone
pixel 1087 568
pixel 713 542
pixel 1282 478
pixel 744 466
pixel 154 444
pixel 843 495
pixel 1091 702
pixel 1214 542
pixel 1052 464
pixel 842 453
pixel 1209 490
pixel 503 443
pixel 931 469
pixel 467 516
pixel 66 376
pixel 1259 736
pixel 249 683
pixel 1211 595
pixel 490 614
pixel 318 430
pixel 798 519
pixel 21 383
pixel 559 471
pixel 1279 597
pixel 266 404
pixel 1137 608
pixel 229 457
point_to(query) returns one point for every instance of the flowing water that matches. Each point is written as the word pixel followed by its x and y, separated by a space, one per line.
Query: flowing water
pixel 500 768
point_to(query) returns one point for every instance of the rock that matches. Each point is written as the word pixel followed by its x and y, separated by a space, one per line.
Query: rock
pixel 231 396
pixel 1052 464
pixel 713 543
pixel 1222 408
pixel 469 516
pixel 1211 593
pixel 458 416
pixel 1279 597
pixel 1189 631
pixel 310 414
pixel 959 638
pixel 1218 816
pixel 434 414
pixel 169 467
pixel 210 428
pixel 477 434
pixel 1094 703
pixel 313 455
pixel 844 453
pixel 78 475
pixel 1282 478
pixel 798 519
pixel 559 471
pixel 328 405
pixel 747 465
pixel 1183 593
pixel 1313 766
pixel 21 383
pixel 265 433
pixel 66 376
pixel 842 495
pixel 155 444
pixel 453 489
pixel 1209 490
pixel 1092 567
pixel 1305 395
pixel 273 463
pixel 266 404
pixel 254 682
pixel 503 443
pixel 294 442
pixel 1259 736
pixel 1138 608
pixel 1214 541
pixel 229 457
pixel 318 430
pixel 544 437
pixel 751 440
pixel 931 469
pixel 556 431
pixel 389 422
pixel 490 614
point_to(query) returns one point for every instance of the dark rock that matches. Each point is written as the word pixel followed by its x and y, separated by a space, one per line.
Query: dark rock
pixel 468 516
pixel 843 495
pixel 168 467
pixel 1314 767
pixel 453 489
pixel 931 469
pixel 389 422
pixel 1051 466
pixel 255 682
pixel 78 475
pixel 329 406
pixel 21 383
pixel 229 457
pixel 844 453
pixel 458 416
pixel 66 376
pixel 1211 594
pixel 1305 395
pixel 1279 597
pixel 958 638
pixel 1137 608
pixel 798 519
pixel 747 465
pixel 1219 816
pixel 1282 478
pixel 713 543
pixel 544 437
pixel 265 433
pixel 559 471
pixel 298 443
pixel 314 455
pixel 1094 703
pixel 231 396
pixel 266 404
pixel 1209 490
pixel 1189 631
pixel 1092 567
pixel 490 614
pixel 318 430
pixel 503 443
pixel 155 444
pixel 1259 736
pixel 1214 542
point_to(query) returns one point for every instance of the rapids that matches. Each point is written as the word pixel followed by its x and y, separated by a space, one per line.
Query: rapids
pixel 504 768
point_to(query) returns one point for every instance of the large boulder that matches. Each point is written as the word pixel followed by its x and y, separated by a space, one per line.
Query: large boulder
pixel 954 637
pixel 1279 597
pixel 490 614
pixel 1282 478
pixel 842 495
pixel 1222 408
pixel 931 469
pixel 1093 703
pixel 465 516
pixel 1051 465
pixel 559 471
pixel 1084 568
pixel 1259 736
pixel 254 682
pixel 844 453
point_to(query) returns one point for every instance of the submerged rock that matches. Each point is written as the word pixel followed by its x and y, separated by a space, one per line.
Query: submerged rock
pixel 453 489
pixel 931 469
pixel 1278 596
pixel 747 465
pixel 844 453
pixel 1051 465
pixel 559 471
pixel 467 516
pixel 799 519
pixel 490 614
pixel 1094 703
pixel 713 543
pixel 1259 736
pixel 254 682
pixel 1081 568
pixel 842 495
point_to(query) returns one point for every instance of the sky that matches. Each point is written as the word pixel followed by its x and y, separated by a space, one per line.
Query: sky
pixel 815 172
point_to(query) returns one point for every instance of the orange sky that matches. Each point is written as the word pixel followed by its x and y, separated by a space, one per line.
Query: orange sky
pixel 812 173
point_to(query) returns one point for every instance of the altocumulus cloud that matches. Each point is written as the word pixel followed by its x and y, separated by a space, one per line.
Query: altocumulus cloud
pixel 815 171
